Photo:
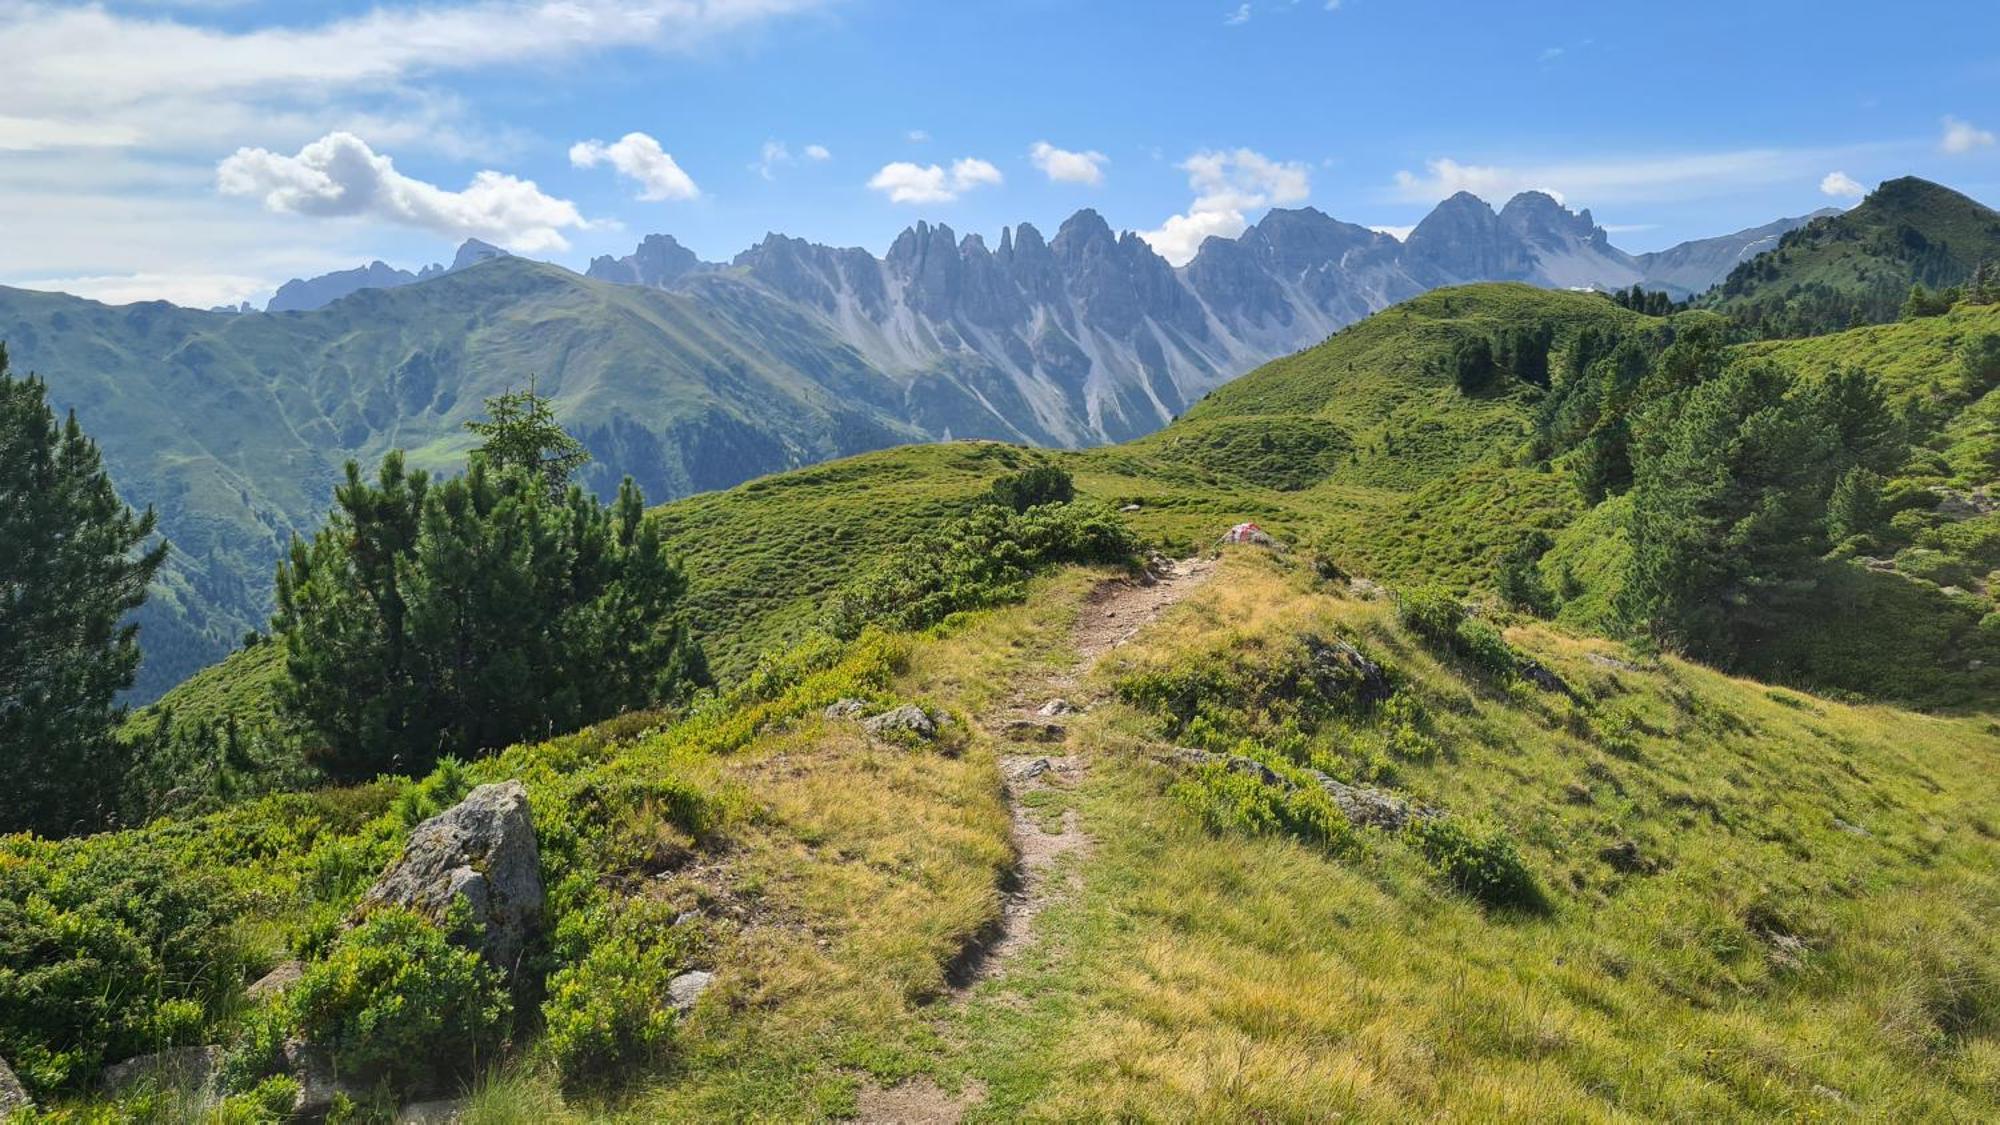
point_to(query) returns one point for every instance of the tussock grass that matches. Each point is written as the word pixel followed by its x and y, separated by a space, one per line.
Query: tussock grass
pixel 1773 964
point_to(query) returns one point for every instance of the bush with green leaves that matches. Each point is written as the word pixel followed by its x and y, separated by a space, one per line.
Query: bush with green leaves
pixel 981 559
pixel 107 952
pixel 1440 620
pixel 1481 862
pixel 1034 487
pixel 607 1013
pixel 396 999
pixel 1227 800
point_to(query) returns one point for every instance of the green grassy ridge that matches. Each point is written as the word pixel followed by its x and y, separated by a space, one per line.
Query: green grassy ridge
pixel 1359 450
pixel 234 427
pixel 1858 266
pixel 1762 905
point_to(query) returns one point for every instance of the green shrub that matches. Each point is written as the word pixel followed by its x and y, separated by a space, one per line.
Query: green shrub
pixel 1032 488
pixel 1440 620
pixel 1480 862
pixel 106 952
pixel 1431 612
pixel 606 1013
pixel 1227 801
pixel 982 559
pixel 395 998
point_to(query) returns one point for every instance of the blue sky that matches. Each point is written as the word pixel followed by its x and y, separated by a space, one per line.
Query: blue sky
pixel 205 150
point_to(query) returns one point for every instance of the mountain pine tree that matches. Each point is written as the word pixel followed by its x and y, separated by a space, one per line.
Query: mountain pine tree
pixel 431 619
pixel 74 563
pixel 521 431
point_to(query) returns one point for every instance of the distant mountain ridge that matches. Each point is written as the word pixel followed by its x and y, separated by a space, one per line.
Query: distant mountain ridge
pixel 693 375
pixel 307 294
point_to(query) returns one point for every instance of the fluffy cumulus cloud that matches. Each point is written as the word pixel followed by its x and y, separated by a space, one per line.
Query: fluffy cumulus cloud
pixel 1840 185
pixel 638 158
pixel 1237 16
pixel 340 176
pixel 1227 186
pixel 817 152
pixel 1961 137
pixel 1065 167
pixel 904 182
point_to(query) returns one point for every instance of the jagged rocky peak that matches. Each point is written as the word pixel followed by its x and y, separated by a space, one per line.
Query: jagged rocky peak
pixel 472 251
pixel 1462 239
pixel 658 261
pixel 1541 218
pixel 302 294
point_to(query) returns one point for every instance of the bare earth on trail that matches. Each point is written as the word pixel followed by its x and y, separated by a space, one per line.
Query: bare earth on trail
pixel 1112 614
pixel 1117 610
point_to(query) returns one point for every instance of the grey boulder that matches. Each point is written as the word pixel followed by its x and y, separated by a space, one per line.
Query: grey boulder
pixel 13 1096
pixel 908 719
pixel 185 1067
pixel 481 851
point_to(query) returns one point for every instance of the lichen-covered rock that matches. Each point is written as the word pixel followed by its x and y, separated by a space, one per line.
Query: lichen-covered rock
pixel 1033 730
pixel 183 1067
pixel 1341 671
pixel 909 720
pixel 1192 758
pixel 13 1096
pixel 849 708
pixel 481 851
pixel 1376 808
pixel 1057 708
pixel 276 981
pixel 685 989
pixel 319 1083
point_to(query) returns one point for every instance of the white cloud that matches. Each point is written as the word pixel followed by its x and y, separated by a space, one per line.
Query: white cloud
pixel 1637 179
pixel 86 56
pixel 776 154
pixel 1334 6
pixel 1226 185
pixel 1961 137
pixel 773 154
pixel 1063 166
pixel 340 176
pixel 904 182
pixel 1840 185
pixel 1240 16
pixel 34 134
pixel 917 136
pixel 638 158
pixel 1400 234
pixel 195 291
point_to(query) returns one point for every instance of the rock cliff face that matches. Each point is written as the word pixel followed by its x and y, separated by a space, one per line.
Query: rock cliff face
pixel 1090 336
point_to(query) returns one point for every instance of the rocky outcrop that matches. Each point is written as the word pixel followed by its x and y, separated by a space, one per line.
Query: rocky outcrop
pixel 907 721
pixel 1360 804
pixel 482 852
pixel 190 1068
pixel 13 1096
pixel 275 982
pixel 1341 671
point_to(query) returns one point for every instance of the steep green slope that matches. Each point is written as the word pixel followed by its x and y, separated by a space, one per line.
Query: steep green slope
pixel 1748 902
pixel 1857 267
pixel 234 427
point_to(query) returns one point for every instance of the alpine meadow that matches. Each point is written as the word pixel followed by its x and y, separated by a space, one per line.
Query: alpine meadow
pixel 1482 661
